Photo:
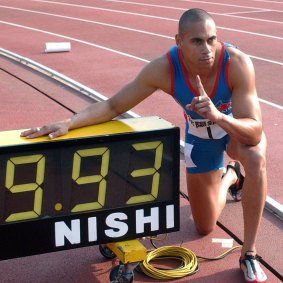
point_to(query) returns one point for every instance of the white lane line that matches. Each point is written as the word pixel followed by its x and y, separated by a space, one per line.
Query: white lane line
pixel 150 33
pixel 250 32
pixel 132 29
pixel 266 60
pixel 151 16
pixel 89 21
pixel 221 14
pixel 77 40
pixel 204 2
pixel 247 12
pixel 252 56
pixel 253 19
pixel 267 1
pixel 108 49
pixel 271 103
pixel 104 9
pixel 222 4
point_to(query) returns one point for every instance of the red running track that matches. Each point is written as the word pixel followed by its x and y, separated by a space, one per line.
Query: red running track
pixel 111 42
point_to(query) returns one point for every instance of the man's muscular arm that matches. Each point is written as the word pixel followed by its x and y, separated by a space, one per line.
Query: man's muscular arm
pixel 247 125
pixel 152 77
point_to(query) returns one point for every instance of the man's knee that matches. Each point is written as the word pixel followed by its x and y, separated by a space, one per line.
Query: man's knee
pixel 254 160
pixel 205 230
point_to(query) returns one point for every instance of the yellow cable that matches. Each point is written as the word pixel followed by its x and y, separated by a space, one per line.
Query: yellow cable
pixel 218 257
pixel 182 254
pixel 186 256
pixel 157 239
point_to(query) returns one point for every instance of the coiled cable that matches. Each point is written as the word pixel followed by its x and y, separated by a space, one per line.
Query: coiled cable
pixel 188 259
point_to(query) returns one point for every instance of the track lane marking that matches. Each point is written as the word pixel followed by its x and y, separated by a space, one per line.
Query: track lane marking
pixel 198 1
pixel 141 31
pixel 77 40
pixel 92 22
pixel 151 16
pixel 222 4
pixel 247 12
pixel 132 29
pixel 109 49
pixel 267 1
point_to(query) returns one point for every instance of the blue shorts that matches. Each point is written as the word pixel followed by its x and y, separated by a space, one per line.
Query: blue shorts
pixel 204 155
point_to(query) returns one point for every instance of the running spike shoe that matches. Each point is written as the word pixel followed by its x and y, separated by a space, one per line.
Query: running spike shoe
pixel 253 272
pixel 235 190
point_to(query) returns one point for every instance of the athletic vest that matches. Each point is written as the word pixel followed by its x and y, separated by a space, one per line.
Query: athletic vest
pixel 183 93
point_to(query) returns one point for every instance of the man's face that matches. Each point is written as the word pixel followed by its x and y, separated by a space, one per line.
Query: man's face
pixel 198 43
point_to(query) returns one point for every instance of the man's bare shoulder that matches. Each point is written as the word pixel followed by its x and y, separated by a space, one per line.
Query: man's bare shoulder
pixel 158 72
pixel 161 64
pixel 238 58
pixel 240 66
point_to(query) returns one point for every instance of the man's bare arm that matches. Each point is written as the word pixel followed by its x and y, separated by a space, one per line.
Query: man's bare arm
pixel 246 126
pixel 148 80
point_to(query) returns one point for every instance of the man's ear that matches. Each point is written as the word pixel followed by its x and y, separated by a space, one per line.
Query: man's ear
pixel 178 40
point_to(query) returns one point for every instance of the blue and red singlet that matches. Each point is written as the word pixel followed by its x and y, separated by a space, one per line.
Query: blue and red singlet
pixel 205 141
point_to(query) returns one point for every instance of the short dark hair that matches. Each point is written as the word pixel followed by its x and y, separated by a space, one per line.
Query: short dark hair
pixel 193 15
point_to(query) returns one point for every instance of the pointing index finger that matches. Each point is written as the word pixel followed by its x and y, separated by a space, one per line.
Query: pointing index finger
pixel 200 86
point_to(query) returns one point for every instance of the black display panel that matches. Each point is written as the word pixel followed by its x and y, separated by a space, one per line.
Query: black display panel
pixel 70 193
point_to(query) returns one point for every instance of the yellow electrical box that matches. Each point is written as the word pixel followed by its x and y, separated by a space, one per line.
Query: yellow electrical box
pixel 129 251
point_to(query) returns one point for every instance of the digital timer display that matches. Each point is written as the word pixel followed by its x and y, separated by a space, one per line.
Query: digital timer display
pixel 121 176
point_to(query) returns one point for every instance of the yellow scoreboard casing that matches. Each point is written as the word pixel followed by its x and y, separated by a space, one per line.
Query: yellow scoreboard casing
pixel 109 128
pixel 99 184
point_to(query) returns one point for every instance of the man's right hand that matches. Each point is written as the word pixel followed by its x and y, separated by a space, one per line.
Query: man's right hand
pixel 53 130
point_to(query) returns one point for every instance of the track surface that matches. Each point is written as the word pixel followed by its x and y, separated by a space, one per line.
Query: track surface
pixel 111 41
